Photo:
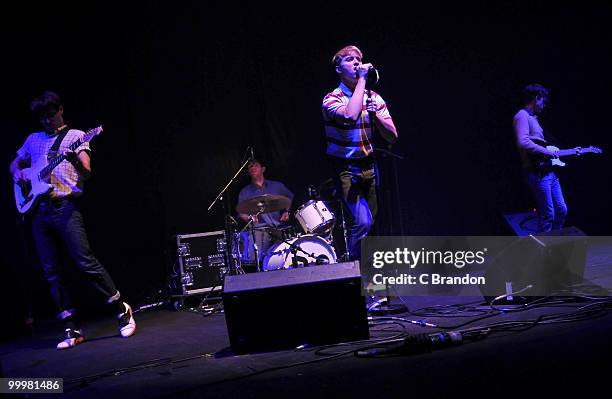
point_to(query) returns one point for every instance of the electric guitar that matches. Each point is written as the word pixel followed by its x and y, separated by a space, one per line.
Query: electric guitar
pixel 564 153
pixel 37 175
pixel 572 151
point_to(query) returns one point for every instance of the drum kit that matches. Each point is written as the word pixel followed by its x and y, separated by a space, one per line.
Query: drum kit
pixel 282 247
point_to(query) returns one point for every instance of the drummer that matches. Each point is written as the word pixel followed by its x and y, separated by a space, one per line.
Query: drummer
pixel 259 186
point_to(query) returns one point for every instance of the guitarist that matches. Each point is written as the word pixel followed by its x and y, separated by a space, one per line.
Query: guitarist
pixel 57 216
pixel 541 178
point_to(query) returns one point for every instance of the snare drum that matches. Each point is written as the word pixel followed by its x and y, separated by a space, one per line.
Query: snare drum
pixel 314 249
pixel 314 217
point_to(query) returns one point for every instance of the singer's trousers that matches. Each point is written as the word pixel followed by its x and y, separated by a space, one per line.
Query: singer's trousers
pixel 356 181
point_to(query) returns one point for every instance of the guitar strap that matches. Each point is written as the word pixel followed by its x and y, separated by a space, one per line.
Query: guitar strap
pixel 56 144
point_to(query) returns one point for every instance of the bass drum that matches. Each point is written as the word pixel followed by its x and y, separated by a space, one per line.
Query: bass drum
pixel 314 250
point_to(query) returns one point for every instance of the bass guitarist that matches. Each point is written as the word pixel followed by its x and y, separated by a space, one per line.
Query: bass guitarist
pixel 56 216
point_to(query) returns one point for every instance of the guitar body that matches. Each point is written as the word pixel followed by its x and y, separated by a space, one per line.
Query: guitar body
pixel 555 161
pixel 27 194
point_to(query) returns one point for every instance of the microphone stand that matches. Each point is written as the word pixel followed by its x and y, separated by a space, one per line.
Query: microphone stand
pixel 233 265
pixel 346 256
pixel 383 306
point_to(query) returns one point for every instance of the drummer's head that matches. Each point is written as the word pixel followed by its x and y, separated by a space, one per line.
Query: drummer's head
pixel 256 169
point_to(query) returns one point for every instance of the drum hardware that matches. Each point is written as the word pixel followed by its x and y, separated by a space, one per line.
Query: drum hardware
pixel 346 256
pixel 320 259
pixel 251 226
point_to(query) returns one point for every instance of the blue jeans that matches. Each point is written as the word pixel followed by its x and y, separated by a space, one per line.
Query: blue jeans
pixel 60 220
pixel 550 204
pixel 357 183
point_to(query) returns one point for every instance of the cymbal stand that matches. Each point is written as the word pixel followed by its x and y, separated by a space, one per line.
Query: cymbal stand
pixel 251 226
pixel 232 261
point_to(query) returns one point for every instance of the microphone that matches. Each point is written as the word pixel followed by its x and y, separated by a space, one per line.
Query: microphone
pixel 373 77
pixel 252 154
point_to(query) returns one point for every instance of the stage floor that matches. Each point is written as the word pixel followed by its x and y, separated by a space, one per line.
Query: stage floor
pixel 186 354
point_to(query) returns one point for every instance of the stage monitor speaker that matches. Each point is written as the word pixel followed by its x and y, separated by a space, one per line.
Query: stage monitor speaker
pixel 522 223
pixel 549 262
pixel 283 309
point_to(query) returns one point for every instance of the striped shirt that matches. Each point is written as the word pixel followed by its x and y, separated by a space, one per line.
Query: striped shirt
pixel 65 179
pixel 348 138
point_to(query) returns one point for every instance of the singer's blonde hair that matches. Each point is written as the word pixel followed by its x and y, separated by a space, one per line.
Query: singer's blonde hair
pixel 343 52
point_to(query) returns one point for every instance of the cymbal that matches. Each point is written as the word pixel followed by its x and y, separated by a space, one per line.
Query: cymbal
pixel 264 203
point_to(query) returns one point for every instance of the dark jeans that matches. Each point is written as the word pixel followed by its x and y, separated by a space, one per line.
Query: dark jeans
pixel 550 204
pixel 60 219
pixel 356 180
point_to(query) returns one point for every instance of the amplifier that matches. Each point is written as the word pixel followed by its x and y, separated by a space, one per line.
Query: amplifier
pixel 201 260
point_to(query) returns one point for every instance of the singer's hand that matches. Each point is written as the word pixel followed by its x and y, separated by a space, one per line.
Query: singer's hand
pixel 362 70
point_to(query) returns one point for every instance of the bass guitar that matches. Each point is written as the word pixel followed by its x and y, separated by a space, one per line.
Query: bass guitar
pixel 37 175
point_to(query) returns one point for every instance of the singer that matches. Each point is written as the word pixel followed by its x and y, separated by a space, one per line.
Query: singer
pixel 348 113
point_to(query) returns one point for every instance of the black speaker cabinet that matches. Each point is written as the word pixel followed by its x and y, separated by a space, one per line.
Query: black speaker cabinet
pixel 283 309
pixel 548 262
pixel 523 223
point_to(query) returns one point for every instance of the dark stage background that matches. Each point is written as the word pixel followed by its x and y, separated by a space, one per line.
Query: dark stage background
pixel 183 89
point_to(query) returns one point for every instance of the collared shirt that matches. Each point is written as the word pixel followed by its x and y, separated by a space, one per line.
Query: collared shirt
pixel 65 179
pixel 269 187
pixel 348 138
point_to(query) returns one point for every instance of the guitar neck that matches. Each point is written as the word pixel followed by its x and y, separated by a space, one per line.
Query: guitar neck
pixel 60 158
pixel 564 153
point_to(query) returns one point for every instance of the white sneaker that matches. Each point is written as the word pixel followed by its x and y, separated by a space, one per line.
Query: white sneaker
pixel 127 324
pixel 72 339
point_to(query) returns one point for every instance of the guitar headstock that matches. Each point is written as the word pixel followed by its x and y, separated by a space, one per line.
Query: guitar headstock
pixel 95 131
pixel 91 133
pixel 593 149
